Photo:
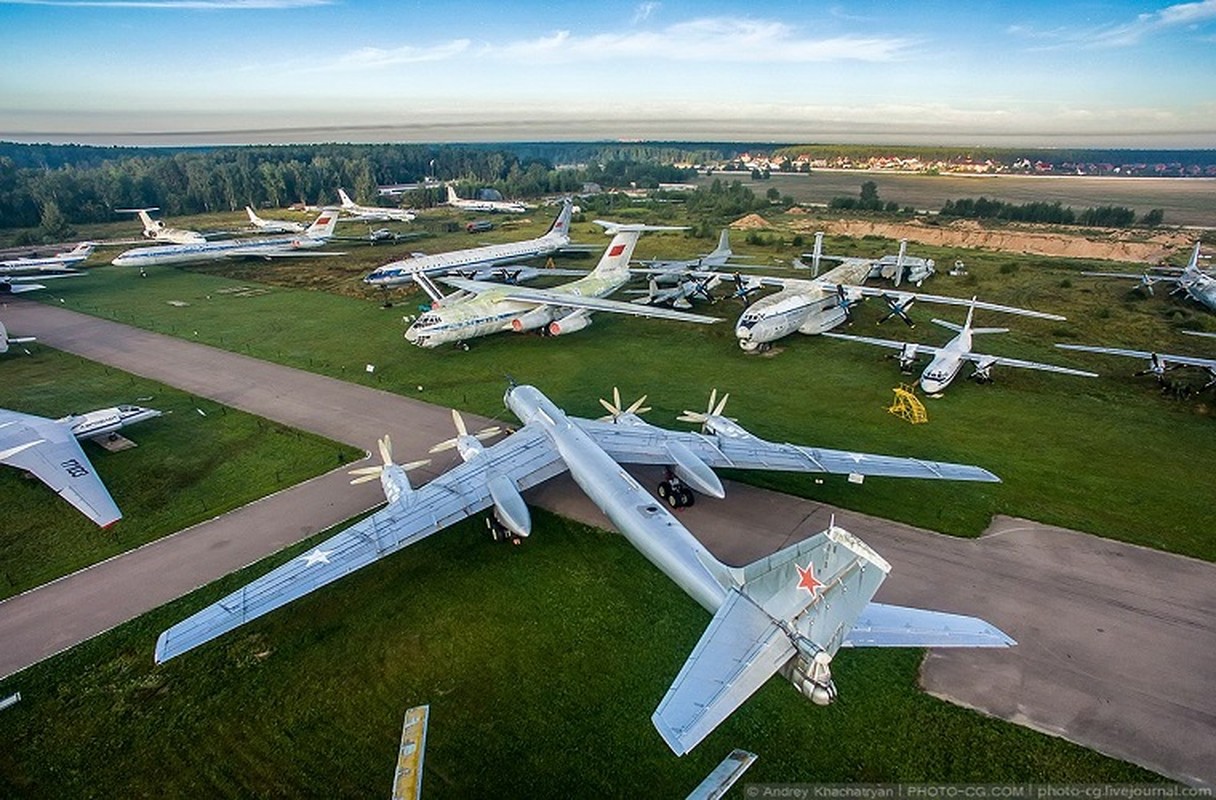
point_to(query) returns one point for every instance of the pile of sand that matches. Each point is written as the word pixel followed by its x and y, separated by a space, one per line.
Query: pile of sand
pixel 750 223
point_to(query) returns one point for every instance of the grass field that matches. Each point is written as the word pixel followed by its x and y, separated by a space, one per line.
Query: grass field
pixel 1085 454
pixel 542 665
pixel 187 468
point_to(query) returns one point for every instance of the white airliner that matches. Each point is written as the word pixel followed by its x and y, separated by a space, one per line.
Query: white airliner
pixel 554 239
pixel 482 308
pixel 156 229
pixel 373 213
pixel 485 206
pixel 948 360
pixel 59 261
pixel 1195 283
pixel 317 235
pixel 274 225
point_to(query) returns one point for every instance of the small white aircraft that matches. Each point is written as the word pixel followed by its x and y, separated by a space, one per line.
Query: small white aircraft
pixel 407 270
pixel 948 360
pixel 786 614
pixel 1158 363
pixel 1197 284
pixel 481 308
pixel 156 229
pixel 274 225
pixel 6 340
pixel 317 235
pixel 59 261
pixel 485 206
pixel 49 449
pixel 373 213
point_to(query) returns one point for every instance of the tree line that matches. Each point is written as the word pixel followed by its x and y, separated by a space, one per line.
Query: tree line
pixel 1051 213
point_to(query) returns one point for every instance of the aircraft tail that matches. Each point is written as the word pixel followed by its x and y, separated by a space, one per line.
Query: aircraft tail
pixel 561 223
pixel 323 226
pixel 788 613
pixel 1192 266
pixel 722 253
pixel 615 261
pixel 345 198
pixel 452 197
pixel 254 218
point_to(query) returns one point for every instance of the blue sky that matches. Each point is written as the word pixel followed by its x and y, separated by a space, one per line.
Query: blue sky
pixel 202 71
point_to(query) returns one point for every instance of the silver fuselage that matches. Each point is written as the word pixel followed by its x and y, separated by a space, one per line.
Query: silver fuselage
pixel 801 307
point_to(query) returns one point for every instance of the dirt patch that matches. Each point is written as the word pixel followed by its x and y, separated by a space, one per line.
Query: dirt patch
pixel 750 223
pixel 1100 243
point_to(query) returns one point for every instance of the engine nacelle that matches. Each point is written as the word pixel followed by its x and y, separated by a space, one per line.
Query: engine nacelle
pixel 813 677
pixel 530 321
pixel 570 323
pixel 907 357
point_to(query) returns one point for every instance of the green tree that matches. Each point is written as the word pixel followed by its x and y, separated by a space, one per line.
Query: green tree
pixel 54 226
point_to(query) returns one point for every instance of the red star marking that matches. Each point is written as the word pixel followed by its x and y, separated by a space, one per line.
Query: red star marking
pixel 806 578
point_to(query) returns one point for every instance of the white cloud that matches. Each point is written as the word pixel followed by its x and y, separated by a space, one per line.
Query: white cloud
pixel 186 4
pixel 1128 33
pixel 643 11
pixel 373 57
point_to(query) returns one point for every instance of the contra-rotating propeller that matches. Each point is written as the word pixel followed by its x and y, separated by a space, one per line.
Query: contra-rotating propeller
pixel 1156 367
pixel 614 408
pixel 899 306
pixel 742 290
pixel 462 431
pixel 714 409
pixel 846 302
pixel 366 474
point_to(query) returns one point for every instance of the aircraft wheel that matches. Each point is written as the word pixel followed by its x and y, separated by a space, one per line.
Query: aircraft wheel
pixel 673 499
pixel 664 489
pixel 687 498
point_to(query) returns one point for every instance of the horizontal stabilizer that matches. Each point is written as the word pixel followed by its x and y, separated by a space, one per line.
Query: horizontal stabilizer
pixel 882 625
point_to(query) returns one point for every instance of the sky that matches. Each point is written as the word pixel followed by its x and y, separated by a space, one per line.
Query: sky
pixel 1065 73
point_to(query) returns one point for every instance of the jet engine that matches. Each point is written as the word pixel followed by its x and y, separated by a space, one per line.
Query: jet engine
pixel 530 321
pixel 570 323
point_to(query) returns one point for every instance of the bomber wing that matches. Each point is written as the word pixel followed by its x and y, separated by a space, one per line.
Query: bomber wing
pixel 648 444
pixel 526 458
pixel 50 452
pixel 1187 361
pixel 549 297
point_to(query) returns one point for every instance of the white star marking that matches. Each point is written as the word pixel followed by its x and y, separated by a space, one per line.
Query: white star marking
pixel 316 557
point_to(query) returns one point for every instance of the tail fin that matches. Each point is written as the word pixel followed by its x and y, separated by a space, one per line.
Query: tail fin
pixel 345 198
pixel 899 261
pixel 722 252
pixel 254 218
pixel 561 223
pixel 453 199
pixel 780 617
pixel 615 261
pixel 323 226
pixel 1193 264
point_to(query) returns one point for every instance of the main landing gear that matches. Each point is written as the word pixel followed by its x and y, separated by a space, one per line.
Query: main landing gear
pixel 673 492
pixel 499 532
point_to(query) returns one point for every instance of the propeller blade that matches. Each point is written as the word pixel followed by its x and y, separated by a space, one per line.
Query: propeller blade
pixel 366 478
pixel 713 398
pixel 616 399
pixel 386 450
pixel 692 416
pixel 608 407
pixel 488 433
pixel 365 471
pixel 415 464
pixel 459 420
pixel 636 406
pixel 446 444
pixel 717 412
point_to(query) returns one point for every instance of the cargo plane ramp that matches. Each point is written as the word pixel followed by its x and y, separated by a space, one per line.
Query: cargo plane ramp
pixel 787 613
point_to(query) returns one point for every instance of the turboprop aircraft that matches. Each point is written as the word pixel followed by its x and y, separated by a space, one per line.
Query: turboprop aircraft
pixel 274 225
pixel 486 206
pixel 896 268
pixel 1158 363
pixel 1197 284
pixel 787 613
pixel 398 272
pixel 948 360
pixel 6 340
pixel 59 261
pixel 156 229
pixel 373 213
pixel 49 450
pixel 317 235
pixel 482 308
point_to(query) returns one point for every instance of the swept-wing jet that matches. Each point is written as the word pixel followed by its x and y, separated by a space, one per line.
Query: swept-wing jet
pixel 481 308
pixel 274 225
pixel 59 261
pixel 373 213
pixel 49 450
pixel 157 230
pixel 949 359
pixel 399 272
pixel 787 613
pixel 486 206
pixel 317 235
pixel 1195 283
pixel 1158 363
pixel 6 340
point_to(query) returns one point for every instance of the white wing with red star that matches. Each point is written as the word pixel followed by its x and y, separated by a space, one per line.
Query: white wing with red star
pixel 526 458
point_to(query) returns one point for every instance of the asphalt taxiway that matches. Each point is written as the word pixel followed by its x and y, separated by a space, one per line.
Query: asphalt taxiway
pixel 1116 642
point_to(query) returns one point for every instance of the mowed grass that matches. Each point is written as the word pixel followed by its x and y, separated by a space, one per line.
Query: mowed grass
pixel 542 665
pixel 1109 456
pixel 187 467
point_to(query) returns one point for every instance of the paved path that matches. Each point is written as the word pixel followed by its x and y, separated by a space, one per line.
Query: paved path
pixel 1116 642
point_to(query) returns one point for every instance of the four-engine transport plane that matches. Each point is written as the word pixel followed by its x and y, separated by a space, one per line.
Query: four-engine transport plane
pixel 1195 283
pixel 897 268
pixel 485 206
pixel 158 231
pixel 49 450
pixel 398 272
pixel 274 225
pixel 59 261
pixel 317 235
pixel 948 360
pixel 373 213
pixel 1158 363
pixel 787 613
pixel 480 308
